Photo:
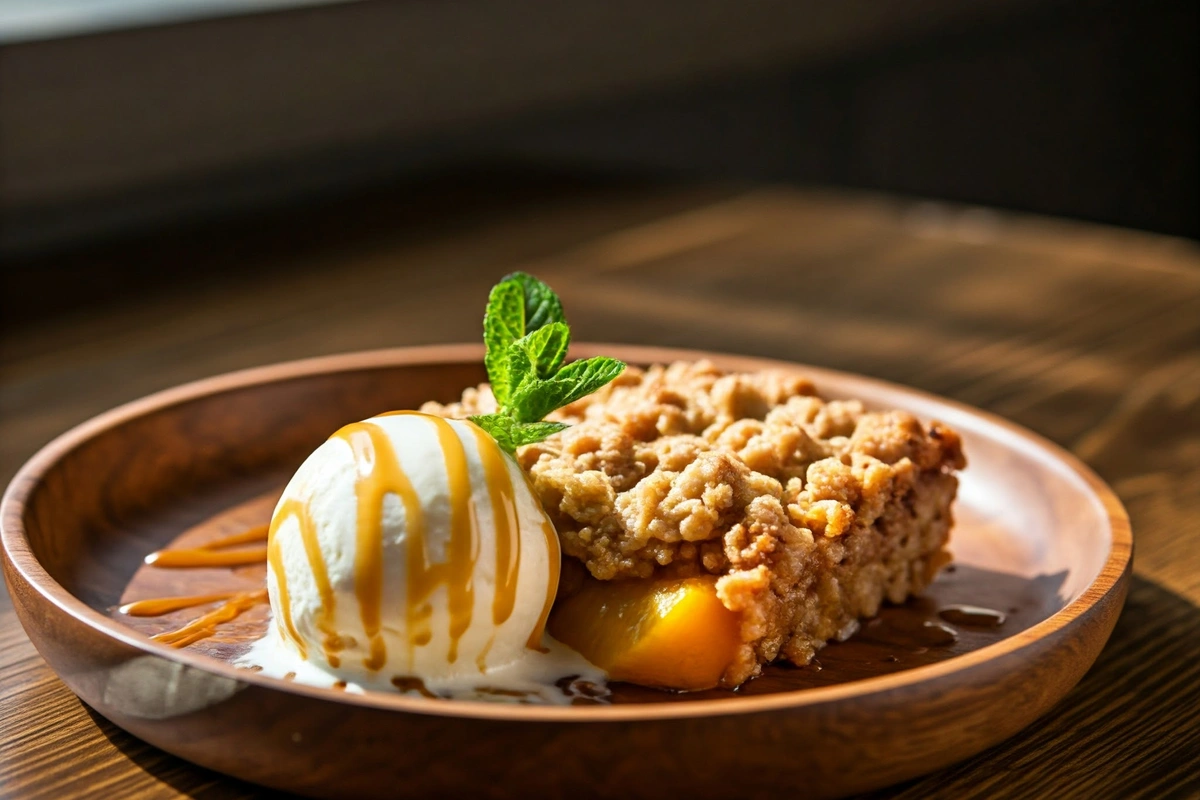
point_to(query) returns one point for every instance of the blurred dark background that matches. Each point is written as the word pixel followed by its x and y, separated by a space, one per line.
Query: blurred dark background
pixel 153 147
pixel 1091 113
pixel 115 124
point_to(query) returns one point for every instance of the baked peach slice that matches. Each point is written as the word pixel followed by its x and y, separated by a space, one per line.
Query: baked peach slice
pixel 668 633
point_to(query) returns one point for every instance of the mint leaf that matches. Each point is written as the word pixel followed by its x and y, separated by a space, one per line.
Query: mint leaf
pixel 533 432
pixel 503 324
pixel 499 427
pixel 510 434
pixel 526 339
pixel 520 371
pixel 547 347
pixel 542 305
pixel 534 399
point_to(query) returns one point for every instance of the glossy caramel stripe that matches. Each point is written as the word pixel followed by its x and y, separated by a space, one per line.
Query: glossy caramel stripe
pixel 213 553
pixel 316 563
pixel 206 625
pixel 462 550
pixel 451 446
pixel 186 559
pixel 421 577
pixel 275 559
pixel 158 606
pixel 507 526
pixel 378 474
pixel 555 556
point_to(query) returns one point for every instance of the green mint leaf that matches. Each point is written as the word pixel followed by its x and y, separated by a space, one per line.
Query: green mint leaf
pixel 534 432
pixel 542 305
pixel 581 378
pixel 510 434
pixel 500 428
pixel 520 372
pixel 503 324
pixel 534 399
pixel 526 339
pixel 547 347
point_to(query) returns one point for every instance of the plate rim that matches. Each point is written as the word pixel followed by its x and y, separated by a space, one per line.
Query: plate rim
pixel 14 542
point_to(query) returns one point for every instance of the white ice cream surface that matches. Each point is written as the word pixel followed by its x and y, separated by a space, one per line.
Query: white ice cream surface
pixel 537 678
pixel 488 655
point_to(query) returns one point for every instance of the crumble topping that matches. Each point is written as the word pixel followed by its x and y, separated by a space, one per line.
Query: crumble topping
pixel 812 512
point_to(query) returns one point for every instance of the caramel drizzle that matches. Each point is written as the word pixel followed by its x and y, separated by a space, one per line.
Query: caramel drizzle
pixel 457 572
pixel 507 527
pixel 158 606
pixel 207 624
pixel 288 628
pixel 508 543
pixel 386 475
pixel 212 554
pixel 552 548
pixel 331 642
pixel 462 550
pixel 379 473
pixel 215 554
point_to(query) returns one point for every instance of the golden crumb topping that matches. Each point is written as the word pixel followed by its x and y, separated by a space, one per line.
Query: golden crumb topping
pixel 685 469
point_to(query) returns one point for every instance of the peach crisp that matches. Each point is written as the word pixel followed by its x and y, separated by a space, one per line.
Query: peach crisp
pixel 725 521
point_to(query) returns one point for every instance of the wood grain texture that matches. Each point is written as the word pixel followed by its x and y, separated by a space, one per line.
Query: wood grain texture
pixel 1089 336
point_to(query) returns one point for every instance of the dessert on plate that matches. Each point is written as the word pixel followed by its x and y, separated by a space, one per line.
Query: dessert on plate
pixel 780 519
pixel 566 523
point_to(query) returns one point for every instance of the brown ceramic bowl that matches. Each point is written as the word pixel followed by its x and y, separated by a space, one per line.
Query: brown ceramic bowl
pixel 1039 537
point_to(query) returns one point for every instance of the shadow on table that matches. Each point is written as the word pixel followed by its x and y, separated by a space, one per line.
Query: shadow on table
pixel 182 776
pixel 1082 746
pixel 1129 729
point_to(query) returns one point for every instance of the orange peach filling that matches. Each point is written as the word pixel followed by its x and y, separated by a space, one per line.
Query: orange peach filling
pixel 673 634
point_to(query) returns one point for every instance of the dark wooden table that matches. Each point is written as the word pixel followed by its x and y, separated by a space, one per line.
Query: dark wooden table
pixel 1087 335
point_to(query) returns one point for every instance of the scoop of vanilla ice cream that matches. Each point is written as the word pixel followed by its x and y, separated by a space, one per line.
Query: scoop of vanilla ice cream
pixel 406 546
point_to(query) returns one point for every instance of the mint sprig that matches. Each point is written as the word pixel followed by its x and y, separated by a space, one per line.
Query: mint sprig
pixel 527 336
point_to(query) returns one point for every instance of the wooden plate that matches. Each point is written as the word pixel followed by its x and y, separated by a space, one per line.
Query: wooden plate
pixel 1039 538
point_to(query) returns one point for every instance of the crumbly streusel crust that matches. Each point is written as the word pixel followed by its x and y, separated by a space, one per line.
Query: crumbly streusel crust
pixel 811 512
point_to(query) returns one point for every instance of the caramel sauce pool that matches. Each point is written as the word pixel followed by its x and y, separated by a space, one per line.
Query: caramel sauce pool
pixel 973 616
